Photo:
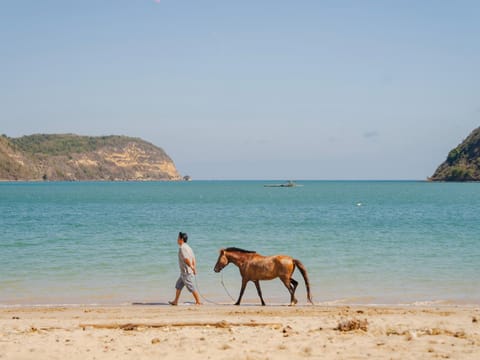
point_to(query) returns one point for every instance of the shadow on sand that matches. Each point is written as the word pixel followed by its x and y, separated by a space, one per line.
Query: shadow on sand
pixel 151 303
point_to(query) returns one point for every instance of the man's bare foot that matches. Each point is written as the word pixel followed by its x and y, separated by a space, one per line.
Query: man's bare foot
pixel 173 303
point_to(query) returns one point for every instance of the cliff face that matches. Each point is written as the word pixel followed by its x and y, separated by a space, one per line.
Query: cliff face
pixel 463 162
pixel 73 157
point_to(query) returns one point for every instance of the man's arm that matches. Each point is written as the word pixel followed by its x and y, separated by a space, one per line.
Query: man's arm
pixel 191 263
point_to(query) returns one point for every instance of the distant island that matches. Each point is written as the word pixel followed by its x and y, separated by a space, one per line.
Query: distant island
pixel 70 157
pixel 463 162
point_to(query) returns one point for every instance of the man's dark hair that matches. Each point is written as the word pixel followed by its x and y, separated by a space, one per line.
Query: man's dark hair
pixel 183 236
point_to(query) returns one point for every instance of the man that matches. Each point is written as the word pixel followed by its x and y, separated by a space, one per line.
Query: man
pixel 186 261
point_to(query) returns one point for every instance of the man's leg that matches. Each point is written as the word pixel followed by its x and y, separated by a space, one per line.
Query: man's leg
pixel 177 296
pixel 189 281
pixel 178 286
pixel 197 297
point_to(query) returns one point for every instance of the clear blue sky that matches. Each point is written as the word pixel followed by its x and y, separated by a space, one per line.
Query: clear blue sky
pixel 250 89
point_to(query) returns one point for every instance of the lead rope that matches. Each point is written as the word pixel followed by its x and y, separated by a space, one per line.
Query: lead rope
pixel 201 295
pixel 211 301
pixel 226 290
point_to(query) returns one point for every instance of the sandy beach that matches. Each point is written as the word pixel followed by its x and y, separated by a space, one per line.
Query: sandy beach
pixel 246 332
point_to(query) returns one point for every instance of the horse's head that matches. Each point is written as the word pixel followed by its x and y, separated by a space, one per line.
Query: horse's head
pixel 221 262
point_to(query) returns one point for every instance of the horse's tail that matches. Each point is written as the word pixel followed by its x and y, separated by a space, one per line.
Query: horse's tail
pixel 303 270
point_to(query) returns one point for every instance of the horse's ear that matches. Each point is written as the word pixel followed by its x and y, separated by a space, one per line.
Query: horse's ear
pixel 222 251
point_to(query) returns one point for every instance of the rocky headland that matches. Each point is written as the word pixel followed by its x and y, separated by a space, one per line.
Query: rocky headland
pixel 463 162
pixel 69 157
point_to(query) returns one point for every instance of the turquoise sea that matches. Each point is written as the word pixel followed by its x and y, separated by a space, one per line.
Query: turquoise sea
pixel 363 242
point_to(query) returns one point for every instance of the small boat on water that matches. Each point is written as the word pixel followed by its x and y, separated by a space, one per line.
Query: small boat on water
pixel 287 184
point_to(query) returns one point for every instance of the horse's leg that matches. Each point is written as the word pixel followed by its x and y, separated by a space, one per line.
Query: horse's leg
pixel 294 284
pixel 259 291
pixel 287 282
pixel 244 284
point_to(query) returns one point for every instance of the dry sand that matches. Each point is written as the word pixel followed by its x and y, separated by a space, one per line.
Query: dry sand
pixel 245 332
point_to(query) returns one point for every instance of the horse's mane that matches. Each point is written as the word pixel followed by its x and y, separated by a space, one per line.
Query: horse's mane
pixel 240 250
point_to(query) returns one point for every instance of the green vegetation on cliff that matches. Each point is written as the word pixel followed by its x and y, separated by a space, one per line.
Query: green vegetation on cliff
pixel 463 162
pixel 65 144
pixel 73 157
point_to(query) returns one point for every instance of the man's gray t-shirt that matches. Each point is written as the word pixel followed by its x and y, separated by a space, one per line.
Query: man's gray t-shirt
pixel 185 252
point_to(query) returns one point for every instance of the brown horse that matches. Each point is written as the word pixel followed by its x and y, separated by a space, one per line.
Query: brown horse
pixel 255 267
